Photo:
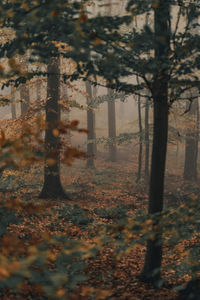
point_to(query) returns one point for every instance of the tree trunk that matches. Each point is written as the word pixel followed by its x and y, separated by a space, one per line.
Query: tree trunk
pixel 153 257
pixel 140 141
pixel 111 127
pixel 24 95
pixel 191 144
pixel 52 187
pixel 152 267
pixel 38 89
pixel 146 168
pixel 13 108
pixel 94 94
pixel 90 127
pixel 66 112
pixel 24 91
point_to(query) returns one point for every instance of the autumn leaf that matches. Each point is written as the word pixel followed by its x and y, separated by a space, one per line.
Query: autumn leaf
pixel 25 6
pixel 54 13
pixel 83 17
pixel 55 132
pixel 60 293
pixel 97 42
pixel 155 5
pixel 50 162
pixel 4 273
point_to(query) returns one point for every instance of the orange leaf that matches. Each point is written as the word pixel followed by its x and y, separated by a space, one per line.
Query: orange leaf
pixel 83 17
pixel 54 13
pixel 97 42
pixel 155 5
pixel 55 132
pixel 4 273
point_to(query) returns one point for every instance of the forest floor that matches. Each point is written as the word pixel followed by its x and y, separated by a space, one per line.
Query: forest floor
pixel 109 185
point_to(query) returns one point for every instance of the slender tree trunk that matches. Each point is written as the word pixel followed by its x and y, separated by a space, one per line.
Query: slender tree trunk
pixel 52 187
pixel 111 127
pixel 90 127
pixel 67 115
pixel 152 267
pixel 38 90
pixel 146 170
pixel 94 94
pixel 13 108
pixel 140 140
pixel 24 95
pixel 24 91
pixel 191 144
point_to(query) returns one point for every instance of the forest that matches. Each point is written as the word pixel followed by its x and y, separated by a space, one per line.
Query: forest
pixel 99 150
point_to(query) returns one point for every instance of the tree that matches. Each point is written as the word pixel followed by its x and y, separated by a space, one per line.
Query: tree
pixel 111 117
pixel 111 127
pixel 160 133
pixel 24 95
pixel 90 127
pixel 66 111
pixel 191 143
pixel 146 121
pixel 13 108
pixel 140 140
pixel 52 187
pixel 24 91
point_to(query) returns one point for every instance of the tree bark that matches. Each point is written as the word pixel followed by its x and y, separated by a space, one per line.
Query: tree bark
pixel 52 187
pixel 24 91
pixel 191 144
pixel 152 267
pixel 111 127
pixel 38 89
pixel 90 127
pixel 24 95
pixel 67 111
pixel 146 168
pixel 94 94
pixel 140 141
pixel 13 108
pixel 153 257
